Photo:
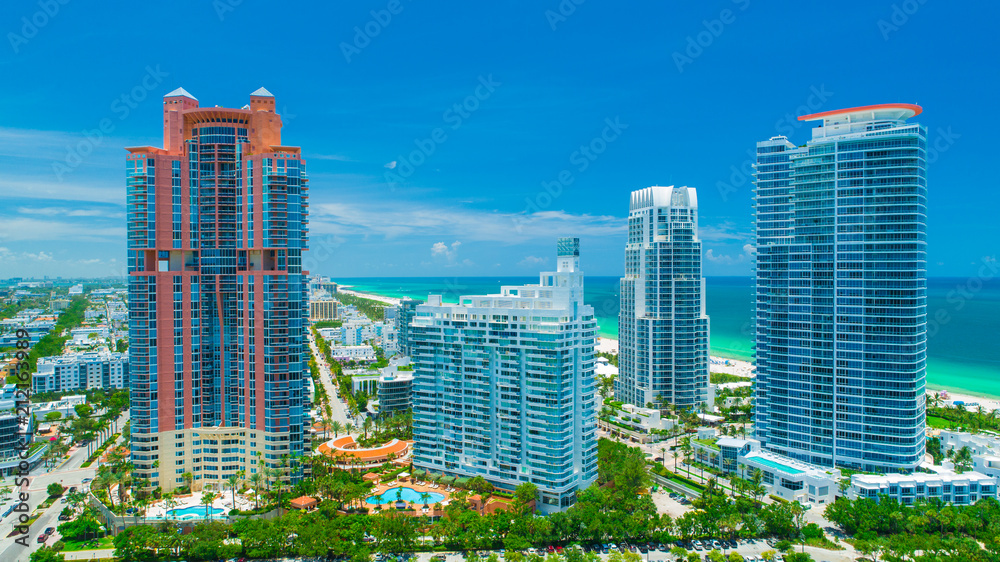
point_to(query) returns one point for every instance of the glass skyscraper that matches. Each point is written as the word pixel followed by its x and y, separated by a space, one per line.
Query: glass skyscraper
pixel 217 298
pixel 662 325
pixel 841 288
pixel 504 385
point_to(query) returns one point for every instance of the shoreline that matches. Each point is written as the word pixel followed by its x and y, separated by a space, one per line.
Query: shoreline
pixel 737 366
pixel 743 368
pixel 370 296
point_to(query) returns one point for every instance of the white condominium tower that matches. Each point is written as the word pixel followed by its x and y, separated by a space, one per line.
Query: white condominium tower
pixel 841 290
pixel 504 385
pixel 662 325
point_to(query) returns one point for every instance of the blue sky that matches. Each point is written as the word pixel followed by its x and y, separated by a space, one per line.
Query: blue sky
pixel 661 95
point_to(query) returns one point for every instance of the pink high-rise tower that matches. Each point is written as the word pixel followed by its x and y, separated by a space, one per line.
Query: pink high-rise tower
pixel 217 295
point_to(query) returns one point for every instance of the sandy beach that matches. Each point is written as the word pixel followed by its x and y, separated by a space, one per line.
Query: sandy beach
pixel 746 369
pixel 717 364
pixel 970 401
pixel 387 300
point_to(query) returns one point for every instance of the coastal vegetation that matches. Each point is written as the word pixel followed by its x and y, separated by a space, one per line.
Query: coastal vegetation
pixel 618 507
pixel 52 343
pixel 373 309
pixel 928 530
pixel 942 415
pixel 722 378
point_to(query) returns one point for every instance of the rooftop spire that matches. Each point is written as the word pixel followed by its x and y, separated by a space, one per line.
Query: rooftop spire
pixel 181 92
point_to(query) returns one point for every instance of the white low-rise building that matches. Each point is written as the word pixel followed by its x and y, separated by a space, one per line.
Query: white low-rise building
pixel 641 419
pixel 352 352
pixel 950 487
pixel 985 449
pixel 89 335
pixel 117 311
pixel 65 406
pixel 792 479
pixel 784 477
pixel 81 371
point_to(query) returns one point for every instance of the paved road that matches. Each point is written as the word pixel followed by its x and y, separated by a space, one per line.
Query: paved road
pixel 339 407
pixel 69 473
pixel 744 549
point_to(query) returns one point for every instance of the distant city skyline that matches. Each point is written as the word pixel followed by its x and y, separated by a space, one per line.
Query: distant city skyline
pixel 439 147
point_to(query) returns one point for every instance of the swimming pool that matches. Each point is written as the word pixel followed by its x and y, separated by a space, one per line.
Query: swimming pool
pixel 408 495
pixel 194 512
pixel 777 465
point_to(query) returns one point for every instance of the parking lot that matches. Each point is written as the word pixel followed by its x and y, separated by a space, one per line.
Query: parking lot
pixel 751 550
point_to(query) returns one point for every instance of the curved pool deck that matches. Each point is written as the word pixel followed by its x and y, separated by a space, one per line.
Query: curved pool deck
pixel 408 495
pixel 346 448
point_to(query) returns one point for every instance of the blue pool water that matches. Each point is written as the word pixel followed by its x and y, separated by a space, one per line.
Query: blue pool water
pixel 777 465
pixel 408 495
pixel 194 512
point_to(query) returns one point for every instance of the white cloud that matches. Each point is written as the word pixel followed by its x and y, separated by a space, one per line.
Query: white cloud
pixel 394 219
pixel 726 259
pixel 47 187
pixel 335 157
pixel 67 212
pixel 22 228
pixel 720 232
pixel 391 165
pixel 532 260
pixel 440 249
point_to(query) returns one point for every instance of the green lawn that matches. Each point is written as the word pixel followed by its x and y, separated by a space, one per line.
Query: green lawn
pixel 710 443
pixel 104 542
pixel 940 423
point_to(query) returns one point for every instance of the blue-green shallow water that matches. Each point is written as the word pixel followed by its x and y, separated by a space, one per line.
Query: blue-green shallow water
pixel 963 319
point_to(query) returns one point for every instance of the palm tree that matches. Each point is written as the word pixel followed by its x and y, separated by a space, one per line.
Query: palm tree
pixel 337 427
pixel 206 499
pixel 256 479
pixel 795 508
pixel 349 428
pixel 281 478
pixel 233 480
pixel 963 460
pixel 367 426
pixel 124 475
pixel 758 488
pixel 188 480
pixel 104 480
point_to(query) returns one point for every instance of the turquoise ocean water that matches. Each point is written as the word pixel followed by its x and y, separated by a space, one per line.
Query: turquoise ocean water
pixel 963 319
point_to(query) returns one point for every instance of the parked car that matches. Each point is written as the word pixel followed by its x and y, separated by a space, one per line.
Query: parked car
pixel 42 538
pixel 49 530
